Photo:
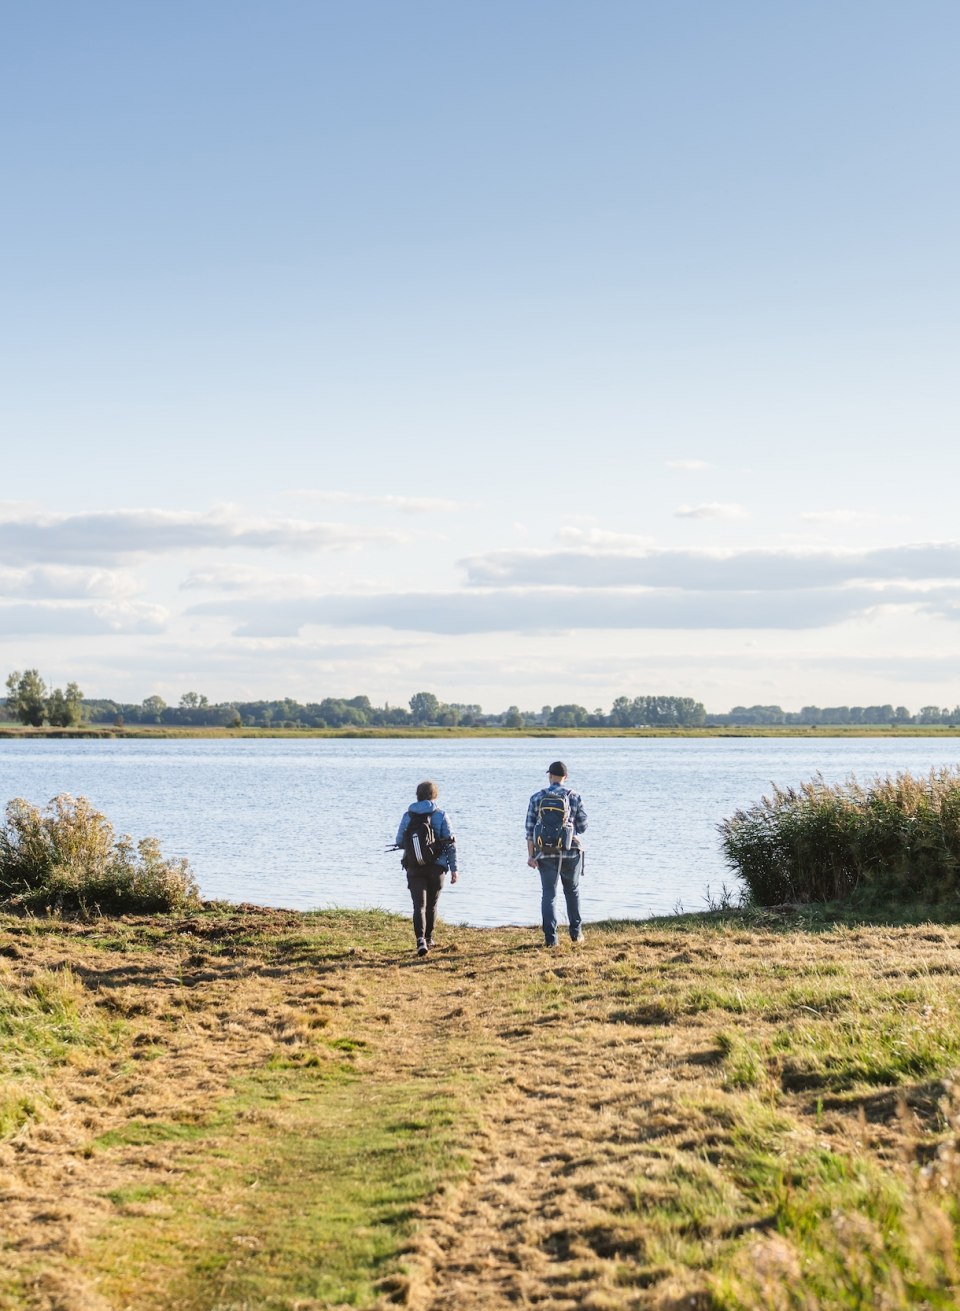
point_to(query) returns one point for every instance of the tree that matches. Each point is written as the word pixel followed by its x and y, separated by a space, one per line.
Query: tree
pixel 622 713
pixel 464 713
pixel 568 716
pixel 513 718
pixel 877 714
pixel 191 701
pixel 65 709
pixel 153 708
pixel 27 697
pixel 74 699
pixel 425 708
pixel 337 713
pixel 932 715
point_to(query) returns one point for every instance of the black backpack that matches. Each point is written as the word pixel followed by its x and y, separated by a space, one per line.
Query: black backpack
pixel 553 828
pixel 421 846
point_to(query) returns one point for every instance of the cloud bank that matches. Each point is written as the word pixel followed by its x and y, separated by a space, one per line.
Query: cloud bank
pixel 408 504
pixel 565 590
pixel 107 537
pixel 44 582
pixel 748 570
pixel 66 619
pixel 710 510
pixel 551 610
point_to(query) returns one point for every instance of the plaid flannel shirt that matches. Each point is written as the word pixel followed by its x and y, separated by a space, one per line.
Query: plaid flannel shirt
pixel 577 812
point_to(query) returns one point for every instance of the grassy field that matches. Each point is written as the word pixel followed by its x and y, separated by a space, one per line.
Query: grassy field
pixel 248 1109
pixel 161 731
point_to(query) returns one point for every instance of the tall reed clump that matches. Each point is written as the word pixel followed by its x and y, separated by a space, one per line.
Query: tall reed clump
pixel 67 858
pixel 899 836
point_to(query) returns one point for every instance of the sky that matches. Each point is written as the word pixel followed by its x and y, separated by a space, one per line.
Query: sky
pixel 525 352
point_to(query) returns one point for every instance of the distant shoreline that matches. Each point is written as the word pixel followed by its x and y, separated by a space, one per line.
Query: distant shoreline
pixel 163 731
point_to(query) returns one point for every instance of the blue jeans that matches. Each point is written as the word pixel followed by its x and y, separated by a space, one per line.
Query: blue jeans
pixel 565 870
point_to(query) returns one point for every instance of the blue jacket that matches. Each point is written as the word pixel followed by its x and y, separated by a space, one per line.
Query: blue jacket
pixel 441 827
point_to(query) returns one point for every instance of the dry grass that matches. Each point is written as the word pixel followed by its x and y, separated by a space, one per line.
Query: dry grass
pixel 261 1109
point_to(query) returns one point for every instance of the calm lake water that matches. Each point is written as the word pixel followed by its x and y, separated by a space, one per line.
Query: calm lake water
pixel 304 824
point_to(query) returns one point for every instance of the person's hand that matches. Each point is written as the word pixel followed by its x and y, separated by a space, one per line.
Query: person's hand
pixel 453 877
pixel 532 862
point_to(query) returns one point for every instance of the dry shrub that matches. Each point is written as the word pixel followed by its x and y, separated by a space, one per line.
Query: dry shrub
pixel 67 858
pixel 899 836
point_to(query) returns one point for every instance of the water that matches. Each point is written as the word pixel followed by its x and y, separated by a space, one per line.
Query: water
pixel 303 824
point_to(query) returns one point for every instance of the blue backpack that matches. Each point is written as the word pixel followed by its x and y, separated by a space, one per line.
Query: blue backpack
pixel 553 826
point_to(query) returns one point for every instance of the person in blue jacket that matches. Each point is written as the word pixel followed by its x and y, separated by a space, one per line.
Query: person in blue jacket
pixel 426 881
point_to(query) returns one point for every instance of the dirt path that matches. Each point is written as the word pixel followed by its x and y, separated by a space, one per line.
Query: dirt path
pixel 575 1107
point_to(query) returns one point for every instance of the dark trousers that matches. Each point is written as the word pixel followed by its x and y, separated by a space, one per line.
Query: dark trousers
pixel 425 891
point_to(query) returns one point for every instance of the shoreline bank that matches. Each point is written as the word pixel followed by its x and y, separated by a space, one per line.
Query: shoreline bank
pixel 161 732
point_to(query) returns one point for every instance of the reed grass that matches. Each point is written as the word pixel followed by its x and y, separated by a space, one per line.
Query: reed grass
pixel 898 837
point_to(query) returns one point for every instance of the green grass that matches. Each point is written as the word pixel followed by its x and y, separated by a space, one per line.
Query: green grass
pixel 41 1025
pixel 294 1189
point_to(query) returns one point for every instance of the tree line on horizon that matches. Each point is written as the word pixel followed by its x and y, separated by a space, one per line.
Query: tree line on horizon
pixel 29 701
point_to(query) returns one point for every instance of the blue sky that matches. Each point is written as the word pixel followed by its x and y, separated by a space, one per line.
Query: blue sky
pixel 526 353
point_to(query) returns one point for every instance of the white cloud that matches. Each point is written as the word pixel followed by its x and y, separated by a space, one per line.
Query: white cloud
pixel 726 570
pixel 248 579
pixel 691 466
pixel 562 591
pixel 46 582
pixel 69 619
pixel 545 610
pixel 710 510
pixel 108 536
pixel 408 504
pixel 255 581
pixel 603 539
pixel 850 516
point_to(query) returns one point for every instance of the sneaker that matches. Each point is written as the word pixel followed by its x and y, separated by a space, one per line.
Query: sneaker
pixel 578 939
pixel 422 947
pixel 430 944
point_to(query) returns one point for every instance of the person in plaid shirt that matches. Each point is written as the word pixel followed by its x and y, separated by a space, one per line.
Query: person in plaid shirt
pixel 562 868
